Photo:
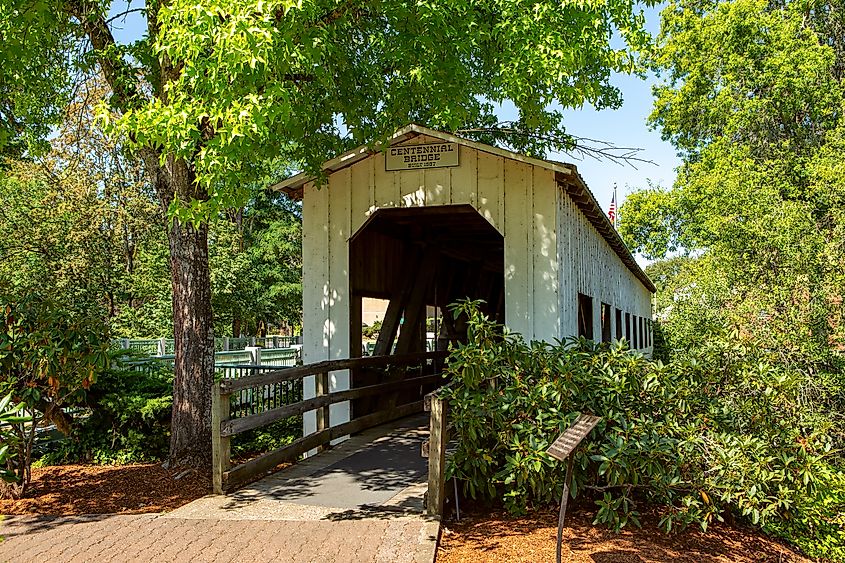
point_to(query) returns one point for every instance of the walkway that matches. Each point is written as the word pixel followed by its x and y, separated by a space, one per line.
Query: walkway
pixel 359 502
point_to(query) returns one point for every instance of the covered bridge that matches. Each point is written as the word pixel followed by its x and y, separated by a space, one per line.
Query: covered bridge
pixel 435 218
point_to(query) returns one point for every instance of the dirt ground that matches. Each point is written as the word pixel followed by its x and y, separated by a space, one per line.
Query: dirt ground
pixel 488 538
pixel 98 489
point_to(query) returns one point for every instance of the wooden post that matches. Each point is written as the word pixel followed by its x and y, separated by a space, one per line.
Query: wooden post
pixel 564 500
pixel 436 458
pixel 220 445
pixel 254 355
pixel 323 422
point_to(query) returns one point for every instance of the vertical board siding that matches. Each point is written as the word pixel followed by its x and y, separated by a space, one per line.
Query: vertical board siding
pixel 491 187
pixel 315 287
pixel 385 193
pixel 464 178
pixel 590 266
pixel 340 205
pixel 518 195
pixel 438 186
pixel 542 226
pixel 363 194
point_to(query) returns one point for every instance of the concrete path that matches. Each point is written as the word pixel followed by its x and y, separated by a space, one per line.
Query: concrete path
pixel 359 502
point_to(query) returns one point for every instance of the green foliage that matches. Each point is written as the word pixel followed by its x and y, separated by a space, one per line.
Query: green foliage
pixel 33 89
pixel 650 224
pixel 269 78
pixel 267 438
pixel 49 356
pixel 106 249
pixel 371 331
pixel 128 420
pixel 726 427
pixel 9 415
pixel 752 98
pixel 256 266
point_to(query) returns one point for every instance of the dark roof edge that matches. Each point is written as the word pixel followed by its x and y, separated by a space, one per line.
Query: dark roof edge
pixel 577 189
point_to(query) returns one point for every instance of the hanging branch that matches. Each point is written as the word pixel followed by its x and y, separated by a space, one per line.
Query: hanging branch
pixel 579 148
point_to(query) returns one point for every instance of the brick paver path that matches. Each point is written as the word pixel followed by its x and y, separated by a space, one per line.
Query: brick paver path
pixel 152 538
pixel 360 502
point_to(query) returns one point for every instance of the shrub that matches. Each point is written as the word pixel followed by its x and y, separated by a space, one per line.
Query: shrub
pixel 49 356
pixel 128 420
pixel 725 428
pixel 371 331
pixel 9 415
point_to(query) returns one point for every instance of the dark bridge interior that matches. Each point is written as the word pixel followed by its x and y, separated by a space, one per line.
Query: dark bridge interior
pixel 423 259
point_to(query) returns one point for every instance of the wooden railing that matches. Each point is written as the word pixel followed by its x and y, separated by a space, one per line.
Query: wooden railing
pixel 435 450
pixel 223 428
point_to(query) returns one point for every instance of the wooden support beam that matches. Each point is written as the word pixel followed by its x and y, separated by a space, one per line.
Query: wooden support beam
pixel 436 457
pixel 322 381
pixel 356 336
pixel 393 315
pixel 415 309
pixel 356 344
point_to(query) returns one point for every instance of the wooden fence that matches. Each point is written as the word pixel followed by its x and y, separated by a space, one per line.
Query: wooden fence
pixel 224 427
pixel 164 346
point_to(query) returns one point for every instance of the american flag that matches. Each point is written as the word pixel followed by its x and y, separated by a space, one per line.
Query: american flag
pixel 611 213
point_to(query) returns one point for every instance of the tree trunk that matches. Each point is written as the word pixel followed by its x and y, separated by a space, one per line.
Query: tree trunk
pixel 193 374
pixel 193 331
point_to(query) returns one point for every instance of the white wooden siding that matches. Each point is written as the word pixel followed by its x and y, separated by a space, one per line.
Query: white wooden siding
pixel 590 266
pixel 315 288
pixel 552 252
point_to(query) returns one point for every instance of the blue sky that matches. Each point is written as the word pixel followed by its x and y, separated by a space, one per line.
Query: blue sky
pixel 624 127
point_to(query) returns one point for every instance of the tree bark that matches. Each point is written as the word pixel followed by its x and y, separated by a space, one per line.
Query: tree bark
pixel 193 331
pixel 193 325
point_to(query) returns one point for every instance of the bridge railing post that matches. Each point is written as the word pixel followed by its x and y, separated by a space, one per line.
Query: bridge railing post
pixel 322 388
pixel 220 445
pixel 438 438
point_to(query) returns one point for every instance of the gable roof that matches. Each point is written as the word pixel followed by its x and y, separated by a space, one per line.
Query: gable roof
pixel 566 175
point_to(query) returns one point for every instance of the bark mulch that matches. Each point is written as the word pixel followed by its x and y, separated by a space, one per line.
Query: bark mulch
pixel 99 489
pixel 498 537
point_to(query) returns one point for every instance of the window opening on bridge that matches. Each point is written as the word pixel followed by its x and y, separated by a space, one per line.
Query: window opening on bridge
pixel 628 328
pixel 636 336
pixel 605 322
pixel 585 316
pixel 618 324
pixel 640 327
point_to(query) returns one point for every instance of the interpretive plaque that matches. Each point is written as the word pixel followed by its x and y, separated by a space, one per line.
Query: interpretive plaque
pixel 412 157
pixel 569 440
pixel 562 449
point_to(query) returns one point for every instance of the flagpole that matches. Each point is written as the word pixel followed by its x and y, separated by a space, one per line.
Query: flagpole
pixel 615 215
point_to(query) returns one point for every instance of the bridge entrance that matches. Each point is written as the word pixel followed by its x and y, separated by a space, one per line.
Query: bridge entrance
pixel 420 260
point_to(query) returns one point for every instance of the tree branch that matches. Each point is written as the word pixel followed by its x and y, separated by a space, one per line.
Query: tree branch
pixel 117 72
pixel 579 147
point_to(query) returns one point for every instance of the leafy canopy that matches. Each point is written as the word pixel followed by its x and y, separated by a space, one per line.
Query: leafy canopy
pixel 753 98
pixel 227 85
